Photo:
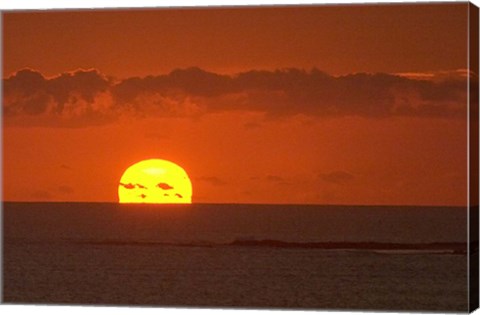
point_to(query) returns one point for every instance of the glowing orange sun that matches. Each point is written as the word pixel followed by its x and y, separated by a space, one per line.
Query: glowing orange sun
pixel 155 181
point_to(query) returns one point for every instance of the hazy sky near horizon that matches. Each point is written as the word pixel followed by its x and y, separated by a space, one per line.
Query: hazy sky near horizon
pixel 314 104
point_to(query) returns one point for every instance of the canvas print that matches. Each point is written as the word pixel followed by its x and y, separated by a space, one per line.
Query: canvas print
pixel 296 157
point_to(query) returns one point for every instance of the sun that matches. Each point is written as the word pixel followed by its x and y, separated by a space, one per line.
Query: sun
pixel 155 181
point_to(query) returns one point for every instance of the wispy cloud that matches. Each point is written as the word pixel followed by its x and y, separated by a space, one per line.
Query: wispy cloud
pixel 41 195
pixel 213 180
pixel 132 186
pixel 164 186
pixel 65 190
pixel 274 178
pixel 337 177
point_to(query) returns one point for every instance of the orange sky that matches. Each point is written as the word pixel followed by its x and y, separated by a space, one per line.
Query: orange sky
pixel 382 120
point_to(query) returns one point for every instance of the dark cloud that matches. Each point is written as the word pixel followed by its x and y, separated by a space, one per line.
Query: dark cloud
pixel 337 177
pixel 128 186
pixel 132 186
pixel 74 98
pixel 213 180
pixel 178 195
pixel 87 97
pixel 56 92
pixel 164 186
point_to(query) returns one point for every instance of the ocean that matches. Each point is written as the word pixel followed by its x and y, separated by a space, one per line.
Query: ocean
pixel 236 256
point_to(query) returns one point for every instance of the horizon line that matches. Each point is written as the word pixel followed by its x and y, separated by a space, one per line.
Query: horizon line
pixel 244 203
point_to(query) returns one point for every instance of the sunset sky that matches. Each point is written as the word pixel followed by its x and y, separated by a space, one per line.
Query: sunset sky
pixel 318 105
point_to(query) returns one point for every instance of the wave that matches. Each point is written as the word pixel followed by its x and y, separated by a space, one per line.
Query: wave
pixel 376 247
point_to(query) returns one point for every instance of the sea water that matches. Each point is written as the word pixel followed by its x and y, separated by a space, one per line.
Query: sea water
pixel 222 256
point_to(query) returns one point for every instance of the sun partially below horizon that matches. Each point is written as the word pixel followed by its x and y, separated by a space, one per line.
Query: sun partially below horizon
pixel 155 181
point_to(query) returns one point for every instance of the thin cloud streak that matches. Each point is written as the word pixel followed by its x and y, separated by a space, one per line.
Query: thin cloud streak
pixel 337 177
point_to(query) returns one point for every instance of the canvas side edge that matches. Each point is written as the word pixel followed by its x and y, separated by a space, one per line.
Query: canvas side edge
pixel 473 158
pixel 2 257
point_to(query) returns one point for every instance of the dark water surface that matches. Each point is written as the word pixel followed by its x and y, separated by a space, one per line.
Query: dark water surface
pixel 236 256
